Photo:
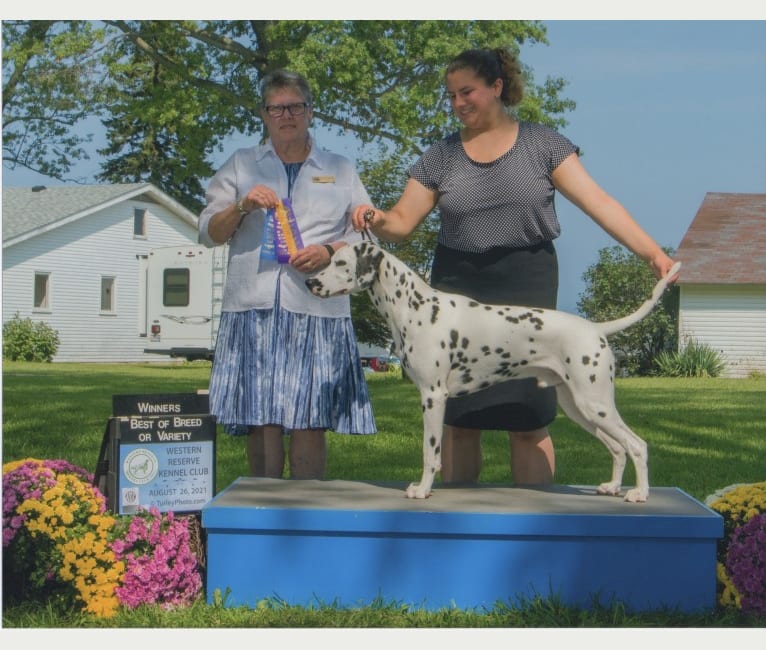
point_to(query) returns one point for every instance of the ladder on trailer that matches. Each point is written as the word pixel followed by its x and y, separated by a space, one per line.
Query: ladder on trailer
pixel 220 260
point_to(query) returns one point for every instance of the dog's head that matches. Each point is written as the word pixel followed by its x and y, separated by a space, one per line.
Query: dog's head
pixel 352 269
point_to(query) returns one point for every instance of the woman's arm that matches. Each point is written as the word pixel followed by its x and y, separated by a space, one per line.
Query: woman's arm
pixel 573 181
pixel 397 224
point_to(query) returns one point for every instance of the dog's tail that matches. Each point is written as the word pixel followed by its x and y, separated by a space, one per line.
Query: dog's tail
pixel 611 327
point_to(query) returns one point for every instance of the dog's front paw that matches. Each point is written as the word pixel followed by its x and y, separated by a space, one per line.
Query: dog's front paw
pixel 610 489
pixel 416 491
pixel 637 495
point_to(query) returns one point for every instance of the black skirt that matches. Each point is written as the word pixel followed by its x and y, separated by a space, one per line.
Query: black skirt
pixel 501 276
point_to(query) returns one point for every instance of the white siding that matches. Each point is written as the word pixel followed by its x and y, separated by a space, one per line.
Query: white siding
pixel 78 255
pixel 730 319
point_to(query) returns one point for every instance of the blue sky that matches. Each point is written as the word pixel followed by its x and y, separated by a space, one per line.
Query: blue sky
pixel 666 111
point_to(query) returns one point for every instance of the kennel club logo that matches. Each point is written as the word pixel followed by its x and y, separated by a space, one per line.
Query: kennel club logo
pixel 140 466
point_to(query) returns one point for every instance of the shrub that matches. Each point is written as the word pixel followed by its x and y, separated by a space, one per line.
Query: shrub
pixel 741 569
pixel 694 360
pixel 24 340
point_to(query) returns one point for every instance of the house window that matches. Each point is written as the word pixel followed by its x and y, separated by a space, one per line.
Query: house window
pixel 139 222
pixel 107 295
pixel 42 291
pixel 175 288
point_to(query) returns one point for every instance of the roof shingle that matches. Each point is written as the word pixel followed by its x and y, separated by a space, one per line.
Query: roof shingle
pixel 726 241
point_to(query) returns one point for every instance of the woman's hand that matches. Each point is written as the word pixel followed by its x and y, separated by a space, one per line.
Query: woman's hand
pixel 259 196
pixel 365 217
pixel 310 259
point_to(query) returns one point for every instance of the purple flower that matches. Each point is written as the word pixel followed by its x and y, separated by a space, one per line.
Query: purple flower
pixel 746 566
pixel 160 566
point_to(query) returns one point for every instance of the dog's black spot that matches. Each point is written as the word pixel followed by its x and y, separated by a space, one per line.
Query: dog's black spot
pixel 538 323
pixel 453 336
pixel 368 265
pixel 464 342
pixel 585 360
pixel 592 379
pixel 533 352
pixel 443 344
pixel 505 355
pixel 398 293
pixel 485 384
pixel 531 339
pixel 452 302
pixel 485 349
pixel 566 376
pixel 473 303
pixel 524 362
pixel 568 360
pixel 429 403
pixel 432 440
pixel 438 450
pixel 512 319
pixel 602 414
pixel 434 313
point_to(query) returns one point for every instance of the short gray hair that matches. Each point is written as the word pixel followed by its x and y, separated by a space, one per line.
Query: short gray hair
pixel 285 79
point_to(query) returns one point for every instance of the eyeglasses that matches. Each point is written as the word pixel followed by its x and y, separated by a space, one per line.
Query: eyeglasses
pixel 278 110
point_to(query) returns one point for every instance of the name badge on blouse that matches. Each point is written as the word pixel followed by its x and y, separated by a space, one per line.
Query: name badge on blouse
pixel 323 179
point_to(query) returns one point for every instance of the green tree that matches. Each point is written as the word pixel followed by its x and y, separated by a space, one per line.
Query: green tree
pixel 51 85
pixel 614 287
pixel 169 93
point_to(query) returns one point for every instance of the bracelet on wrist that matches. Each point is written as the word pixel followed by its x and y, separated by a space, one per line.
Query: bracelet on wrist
pixel 330 249
pixel 241 209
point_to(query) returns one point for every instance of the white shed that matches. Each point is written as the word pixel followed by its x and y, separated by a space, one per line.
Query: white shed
pixel 723 280
pixel 71 258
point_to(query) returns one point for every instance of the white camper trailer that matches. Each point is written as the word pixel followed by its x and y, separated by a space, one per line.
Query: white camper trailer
pixel 180 309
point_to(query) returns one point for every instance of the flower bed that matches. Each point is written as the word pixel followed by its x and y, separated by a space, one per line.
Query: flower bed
pixel 60 545
pixel 742 550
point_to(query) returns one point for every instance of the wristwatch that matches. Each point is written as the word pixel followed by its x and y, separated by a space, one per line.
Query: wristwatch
pixel 241 209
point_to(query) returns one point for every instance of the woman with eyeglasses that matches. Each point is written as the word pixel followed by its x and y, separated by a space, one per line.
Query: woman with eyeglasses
pixel 286 362
pixel 493 182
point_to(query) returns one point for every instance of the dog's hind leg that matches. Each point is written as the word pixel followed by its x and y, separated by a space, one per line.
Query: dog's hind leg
pixel 605 424
pixel 433 428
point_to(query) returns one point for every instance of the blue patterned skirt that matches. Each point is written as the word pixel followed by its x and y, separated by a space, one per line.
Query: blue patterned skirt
pixel 277 367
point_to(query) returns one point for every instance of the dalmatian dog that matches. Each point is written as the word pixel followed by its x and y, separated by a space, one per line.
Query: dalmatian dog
pixel 451 345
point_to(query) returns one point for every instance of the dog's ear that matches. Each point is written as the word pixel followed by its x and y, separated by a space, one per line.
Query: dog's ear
pixel 368 261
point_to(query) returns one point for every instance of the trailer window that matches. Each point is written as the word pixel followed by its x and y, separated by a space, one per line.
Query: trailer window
pixel 175 288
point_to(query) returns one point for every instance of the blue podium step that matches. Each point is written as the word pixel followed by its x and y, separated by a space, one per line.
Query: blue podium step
pixel 351 543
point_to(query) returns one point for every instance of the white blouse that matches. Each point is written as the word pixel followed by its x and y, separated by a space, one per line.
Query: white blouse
pixel 325 193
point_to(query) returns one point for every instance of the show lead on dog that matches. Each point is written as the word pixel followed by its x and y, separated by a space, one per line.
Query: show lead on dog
pixel 494 183
pixel 285 360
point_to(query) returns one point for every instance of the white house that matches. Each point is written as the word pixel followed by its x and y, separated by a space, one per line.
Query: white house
pixel 723 280
pixel 71 259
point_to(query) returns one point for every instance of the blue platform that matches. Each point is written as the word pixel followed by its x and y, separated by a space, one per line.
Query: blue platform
pixel 351 543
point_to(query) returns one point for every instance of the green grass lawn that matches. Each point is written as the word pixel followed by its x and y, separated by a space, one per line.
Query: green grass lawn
pixel 703 434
